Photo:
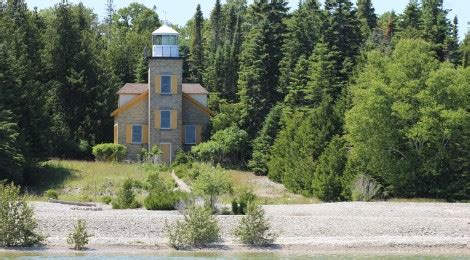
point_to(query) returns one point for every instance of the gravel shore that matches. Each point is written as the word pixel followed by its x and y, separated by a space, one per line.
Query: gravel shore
pixel 301 227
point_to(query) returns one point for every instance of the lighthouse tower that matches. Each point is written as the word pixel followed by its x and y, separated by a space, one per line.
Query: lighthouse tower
pixel 165 93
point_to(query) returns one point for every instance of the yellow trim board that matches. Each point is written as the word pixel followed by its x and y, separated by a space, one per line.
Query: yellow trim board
pixel 198 105
pixel 130 104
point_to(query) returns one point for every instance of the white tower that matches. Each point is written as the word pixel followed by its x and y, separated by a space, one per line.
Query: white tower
pixel 165 42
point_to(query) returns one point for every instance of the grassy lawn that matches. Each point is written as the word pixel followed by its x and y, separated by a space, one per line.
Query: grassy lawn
pixel 85 180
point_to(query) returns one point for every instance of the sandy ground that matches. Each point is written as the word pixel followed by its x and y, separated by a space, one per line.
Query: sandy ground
pixel 374 226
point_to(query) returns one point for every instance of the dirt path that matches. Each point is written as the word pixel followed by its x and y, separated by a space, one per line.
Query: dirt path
pixel 181 184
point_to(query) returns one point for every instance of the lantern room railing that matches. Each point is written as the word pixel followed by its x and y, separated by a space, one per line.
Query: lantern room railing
pixel 165 51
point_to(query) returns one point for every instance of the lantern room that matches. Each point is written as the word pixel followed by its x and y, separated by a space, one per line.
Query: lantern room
pixel 165 42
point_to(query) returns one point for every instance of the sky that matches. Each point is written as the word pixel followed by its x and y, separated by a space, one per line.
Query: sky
pixel 180 11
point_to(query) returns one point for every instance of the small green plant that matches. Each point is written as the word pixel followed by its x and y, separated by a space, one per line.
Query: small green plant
pixel 52 194
pixel 126 198
pixel 254 227
pixel 182 158
pixel 17 223
pixel 198 229
pixel 245 196
pixel 107 200
pixel 161 194
pixel 78 238
pixel 211 184
pixel 109 152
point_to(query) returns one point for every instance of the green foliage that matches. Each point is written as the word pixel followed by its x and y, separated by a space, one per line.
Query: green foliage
pixel 196 56
pixel 424 152
pixel 182 158
pixel 17 223
pixel 109 152
pixel 107 200
pixel 265 139
pixel 254 227
pixel 211 184
pixel 227 147
pixel 150 156
pixel 51 194
pixel 198 229
pixel 327 179
pixel 78 238
pixel 245 196
pixel 161 194
pixel 125 197
pixel 12 162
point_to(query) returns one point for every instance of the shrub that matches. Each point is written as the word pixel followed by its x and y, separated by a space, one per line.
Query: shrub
pixel 126 197
pixel 109 152
pixel 198 229
pixel 182 158
pixel 254 227
pixel 107 200
pixel 212 184
pixel 245 197
pixel 227 147
pixel 365 188
pixel 161 194
pixel 150 156
pixel 78 238
pixel 17 224
pixel 52 194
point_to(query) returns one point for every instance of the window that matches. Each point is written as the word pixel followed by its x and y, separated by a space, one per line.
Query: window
pixel 165 119
pixel 190 134
pixel 166 85
pixel 136 134
pixel 157 40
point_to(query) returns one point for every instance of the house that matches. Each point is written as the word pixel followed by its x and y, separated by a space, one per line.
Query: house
pixel 165 111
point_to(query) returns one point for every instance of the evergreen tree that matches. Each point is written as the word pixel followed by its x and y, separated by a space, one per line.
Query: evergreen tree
pixel 435 25
pixel 410 20
pixel 367 17
pixel 259 64
pixel 466 51
pixel 452 44
pixel 341 34
pixel 303 32
pixel 216 25
pixel 265 139
pixel 196 60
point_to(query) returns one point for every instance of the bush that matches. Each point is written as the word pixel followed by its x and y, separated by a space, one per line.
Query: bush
pixel 211 184
pixel 245 197
pixel 52 194
pixel 78 238
pixel 198 229
pixel 150 156
pixel 107 200
pixel 227 147
pixel 254 227
pixel 126 197
pixel 17 224
pixel 365 188
pixel 109 152
pixel 161 194
pixel 182 158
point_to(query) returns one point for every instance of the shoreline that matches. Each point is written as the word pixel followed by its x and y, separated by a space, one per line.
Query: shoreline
pixel 325 228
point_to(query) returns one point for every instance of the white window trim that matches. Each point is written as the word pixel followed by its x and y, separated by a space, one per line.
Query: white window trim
pixel 195 130
pixel 171 159
pixel 161 84
pixel 161 119
pixel 141 133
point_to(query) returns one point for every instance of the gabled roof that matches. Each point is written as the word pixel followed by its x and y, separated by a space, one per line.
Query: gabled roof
pixel 165 29
pixel 133 88
pixel 131 103
pixel 194 88
pixel 138 88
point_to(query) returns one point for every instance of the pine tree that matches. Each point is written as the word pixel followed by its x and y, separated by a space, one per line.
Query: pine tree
pixel 435 25
pixel 466 51
pixel 367 17
pixel 196 60
pixel 452 44
pixel 411 18
pixel 216 25
pixel 341 33
pixel 303 30
pixel 259 64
